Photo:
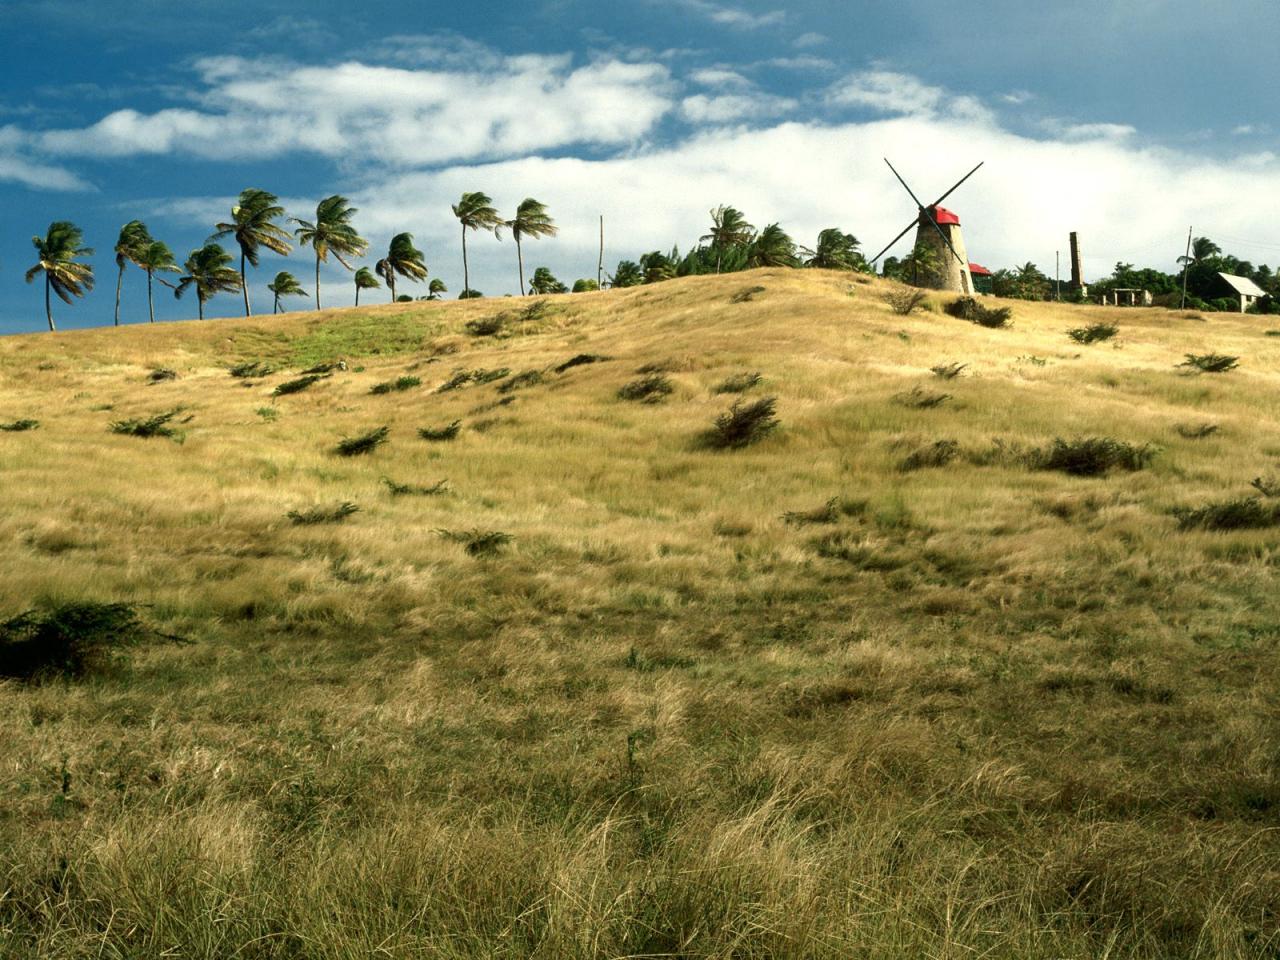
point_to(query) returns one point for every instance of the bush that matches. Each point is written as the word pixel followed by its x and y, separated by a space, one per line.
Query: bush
pixel 460 378
pixel 252 369
pixel 579 360
pixel 161 374
pixel 738 383
pixel 919 399
pixel 1210 362
pixel 650 389
pixel 327 367
pixel 1091 456
pixel 412 490
pixel 488 376
pixel 1242 513
pixel 364 443
pixel 1196 431
pixel 154 426
pixel 748 293
pixel 937 454
pixel 743 424
pixel 296 386
pixel 829 512
pixel 478 543
pixel 440 433
pixel 529 378
pixel 485 326
pixel 968 308
pixel 314 515
pixel 70 640
pixel 948 371
pixel 400 383
pixel 19 426
pixel 1093 333
pixel 905 300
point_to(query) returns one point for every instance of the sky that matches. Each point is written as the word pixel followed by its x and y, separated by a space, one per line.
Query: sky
pixel 1128 123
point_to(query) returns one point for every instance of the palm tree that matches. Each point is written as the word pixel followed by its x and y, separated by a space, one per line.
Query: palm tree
pixel 253 226
pixel 133 237
pixel 728 229
pixel 773 248
pixel 332 232
pixel 627 274
pixel 285 285
pixel 155 257
pixel 402 258
pixel 209 270
pixel 58 251
pixel 365 280
pixel 835 250
pixel 436 288
pixel 531 220
pixel 475 212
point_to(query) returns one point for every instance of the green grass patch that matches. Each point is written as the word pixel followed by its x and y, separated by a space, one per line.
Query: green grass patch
pixel 392 386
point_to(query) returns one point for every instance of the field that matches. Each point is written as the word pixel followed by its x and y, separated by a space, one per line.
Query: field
pixel 889 682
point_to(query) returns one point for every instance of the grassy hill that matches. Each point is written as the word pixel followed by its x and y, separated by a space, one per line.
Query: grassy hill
pixel 890 682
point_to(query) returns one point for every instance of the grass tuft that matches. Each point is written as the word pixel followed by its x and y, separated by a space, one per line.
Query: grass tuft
pixel 315 515
pixel 1239 513
pixel 1196 431
pixel 738 383
pixel 1093 333
pixel 364 443
pixel 478 543
pixel 743 424
pixel 579 360
pixel 529 378
pixel 1092 456
pixel 1267 486
pixel 19 426
pixel 1210 362
pixel 829 512
pixel 746 294
pixel 948 371
pixel 917 398
pixel 161 374
pixel 648 389
pixel 400 383
pixel 448 432
pixel 414 490
pixel 67 641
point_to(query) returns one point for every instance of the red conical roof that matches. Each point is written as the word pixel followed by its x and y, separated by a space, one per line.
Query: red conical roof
pixel 943 215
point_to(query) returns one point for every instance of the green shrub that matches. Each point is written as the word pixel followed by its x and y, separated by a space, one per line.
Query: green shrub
pixel 1094 333
pixel 579 360
pixel 364 443
pixel 297 386
pixel 1210 362
pixel 904 300
pixel 738 383
pixel 478 543
pixel 948 371
pixel 252 369
pixel 918 398
pixel 968 308
pixel 488 376
pixel 747 293
pixel 459 378
pixel 67 641
pixel 485 326
pixel 413 490
pixel 400 383
pixel 528 378
pixel 1241 513
pixel 1091 456
pixel 19 426
pixel 327 367
pixel 153 426
pixel 315 515
pixel 161 374
pixel 448 432
pixel 743 424
pixel 649 389
pixel 937 454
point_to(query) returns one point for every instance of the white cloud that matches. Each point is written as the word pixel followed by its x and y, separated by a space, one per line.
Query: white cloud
pixel 886 91
pixel 721 78
pixel 730 107
pixel 398 116
pixel 809 40
pixel 733 16
pixel 1065 130
pixel 18 166
pixel 800 63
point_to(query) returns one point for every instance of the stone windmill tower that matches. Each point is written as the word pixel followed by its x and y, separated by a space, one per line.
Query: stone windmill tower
pixel 942 262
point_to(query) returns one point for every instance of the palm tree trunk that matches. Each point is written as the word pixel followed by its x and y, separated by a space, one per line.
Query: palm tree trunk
pixel 317 281
pixel 466 277
pixel 119 281
pixel 357 296
pixel 520 257
pixel 48 304
pixel 244 286
pixel 200 305
pixel 151 304
pixel 391 282
pixel 275 307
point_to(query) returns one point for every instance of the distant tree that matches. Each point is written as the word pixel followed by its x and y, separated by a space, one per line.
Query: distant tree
pixel 403 259
pixel 209 271
pixel 253 226
pixel 1031 281
pixel 543 282
pixel 404 298
pixel 436 288
pixel 835 250
pixel 331 232
pixel 656 267
pixel 285 285
pixel 155 257
pixel 470 294
pixel 729 229
pixel 585 285
pixel 365 280
pixel 627 274
pixel 133 237
pixel 475 211
pixel 59 249
pixel 531 220
pixel 772 248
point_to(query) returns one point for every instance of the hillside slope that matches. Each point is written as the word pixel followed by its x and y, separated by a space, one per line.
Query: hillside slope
pixel 813 697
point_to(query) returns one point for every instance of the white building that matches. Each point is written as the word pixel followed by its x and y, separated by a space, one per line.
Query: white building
pixel 1244 288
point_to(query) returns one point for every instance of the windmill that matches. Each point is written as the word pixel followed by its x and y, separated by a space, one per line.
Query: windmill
pixel 938 231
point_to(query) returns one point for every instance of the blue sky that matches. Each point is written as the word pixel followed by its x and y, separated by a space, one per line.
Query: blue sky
pixel 1126 122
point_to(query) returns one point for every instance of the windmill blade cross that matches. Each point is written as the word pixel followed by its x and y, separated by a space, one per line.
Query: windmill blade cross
pixel 904 185
pixel 958 182
pixel 894 240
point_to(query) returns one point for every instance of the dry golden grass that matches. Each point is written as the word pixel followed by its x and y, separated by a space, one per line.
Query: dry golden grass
pixel 974 709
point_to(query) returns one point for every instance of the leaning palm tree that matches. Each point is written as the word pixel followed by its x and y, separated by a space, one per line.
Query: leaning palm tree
pixel 59 249
pixel 475 211
pixel 209 270
pixel 285 285
pixel 155 257
pixel 729 228
pixel 531 220
pixel 835 250
pixel 402 258
pixel 773 248
pixel 253 226
pixel 436 288
pixel 365 280
pixel 333 233
pixel 133 237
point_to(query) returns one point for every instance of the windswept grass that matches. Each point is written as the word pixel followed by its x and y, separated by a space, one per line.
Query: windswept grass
pixel 363 443
pixel 156 425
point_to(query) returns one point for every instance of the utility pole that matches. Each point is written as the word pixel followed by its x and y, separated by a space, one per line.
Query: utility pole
pixel 1186 268
pixel 600 262
pixel 1057 274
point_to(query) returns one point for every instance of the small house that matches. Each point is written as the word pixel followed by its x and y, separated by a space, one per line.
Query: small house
pixel 981 277
pixel 1242 287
